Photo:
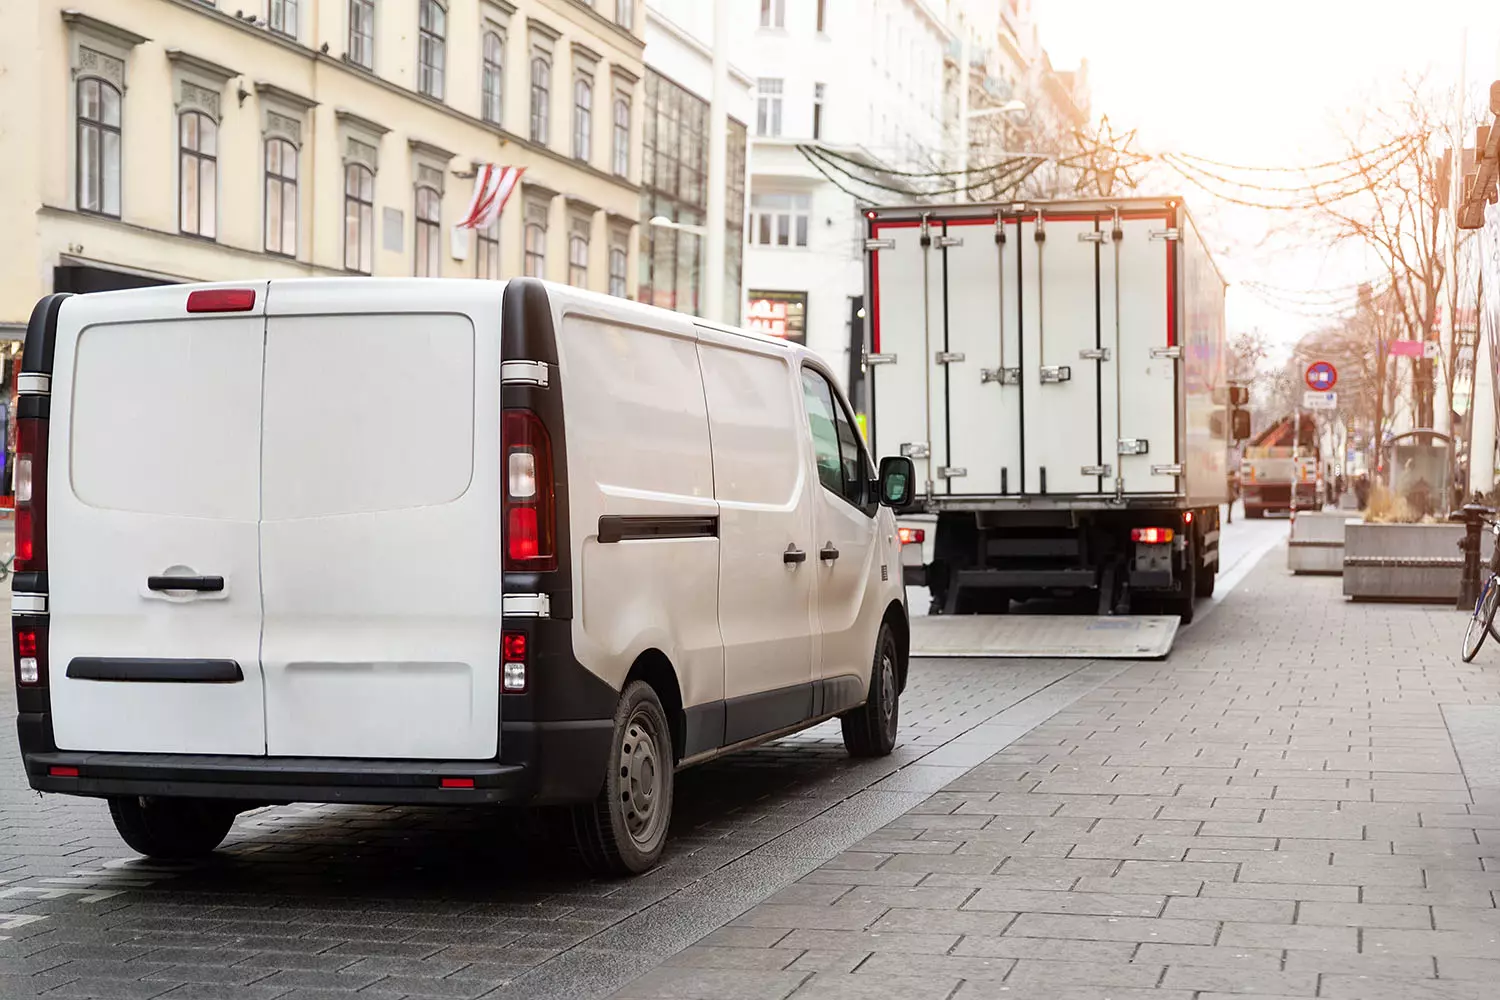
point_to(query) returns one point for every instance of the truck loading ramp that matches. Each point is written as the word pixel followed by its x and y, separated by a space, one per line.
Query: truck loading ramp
pixel 1086 637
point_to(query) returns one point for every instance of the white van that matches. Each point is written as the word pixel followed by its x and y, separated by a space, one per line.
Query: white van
pixel 414 541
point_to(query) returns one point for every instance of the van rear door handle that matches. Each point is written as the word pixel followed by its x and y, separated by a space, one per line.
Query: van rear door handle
pixel 202 584
pixel 793 555
pixel 828 553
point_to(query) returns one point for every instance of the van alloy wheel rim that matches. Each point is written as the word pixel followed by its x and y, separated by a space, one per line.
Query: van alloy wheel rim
pixel 642 780
pixel 887 688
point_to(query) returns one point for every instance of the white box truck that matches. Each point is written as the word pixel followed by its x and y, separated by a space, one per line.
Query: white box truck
pixel 1056 371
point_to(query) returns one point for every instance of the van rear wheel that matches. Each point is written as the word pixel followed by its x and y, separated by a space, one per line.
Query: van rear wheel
pixel 172 829
pixel 870 730
pixel 623 831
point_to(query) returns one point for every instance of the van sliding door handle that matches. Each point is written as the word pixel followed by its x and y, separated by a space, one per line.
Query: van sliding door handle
pixel 202 584
pixel 828 553
pixel 793 556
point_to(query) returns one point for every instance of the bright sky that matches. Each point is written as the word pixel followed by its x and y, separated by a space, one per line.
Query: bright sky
pixel 1262 82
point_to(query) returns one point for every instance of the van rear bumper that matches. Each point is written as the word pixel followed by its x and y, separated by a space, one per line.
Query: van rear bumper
pixel 542 764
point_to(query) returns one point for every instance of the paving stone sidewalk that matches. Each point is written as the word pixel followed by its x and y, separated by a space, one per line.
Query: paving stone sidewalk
pixel 1279 810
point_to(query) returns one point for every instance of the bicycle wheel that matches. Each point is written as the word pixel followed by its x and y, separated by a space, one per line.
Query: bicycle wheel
pixel 1483 619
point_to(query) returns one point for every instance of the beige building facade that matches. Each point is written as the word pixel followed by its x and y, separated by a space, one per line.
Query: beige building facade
pixel 169 140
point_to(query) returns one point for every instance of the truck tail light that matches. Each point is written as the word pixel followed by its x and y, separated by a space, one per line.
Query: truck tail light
pixel 911 536
pixel 29 647
pixel 31 495
pixel 513 662
pixel 1151 536
pixel 530 499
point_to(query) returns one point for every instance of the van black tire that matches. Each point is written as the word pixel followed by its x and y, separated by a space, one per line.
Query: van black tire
pixel 172 829
pixel 870 730
pixel 623 831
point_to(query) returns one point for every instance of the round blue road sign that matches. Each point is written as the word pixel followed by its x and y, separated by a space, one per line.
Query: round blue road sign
pixel 1321 376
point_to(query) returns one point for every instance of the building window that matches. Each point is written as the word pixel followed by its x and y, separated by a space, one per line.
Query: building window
pixel 488 257
pixel 198 174
pixel 281 197
pixel 493 77
pixel 768 107
pixel 359 218
pixel 619 261
pixel 779 220
pixel 625 13
pixel 541 98
pixel 578 260
pixel 734 219
pixel 429 219
pixel 779 314
pixel 98 147
pixel 432 30
pixel 819 91
pixel 362 33
pixel 674 169
pixel 536 248
pixel 282 17
pixel 773 13
pixel 822 15
pixel 583 119
pixel 621 151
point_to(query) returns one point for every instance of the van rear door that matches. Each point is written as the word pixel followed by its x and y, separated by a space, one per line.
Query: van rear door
pixel 154 466
pixel 380 538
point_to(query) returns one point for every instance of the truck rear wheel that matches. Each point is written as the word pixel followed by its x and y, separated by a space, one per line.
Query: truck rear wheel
pixel 172 829
pixel 1182 603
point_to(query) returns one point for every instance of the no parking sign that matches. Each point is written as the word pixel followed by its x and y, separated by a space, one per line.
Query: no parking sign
pixel 1321 376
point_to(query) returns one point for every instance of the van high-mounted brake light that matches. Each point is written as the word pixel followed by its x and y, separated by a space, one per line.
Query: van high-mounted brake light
pixel 221 300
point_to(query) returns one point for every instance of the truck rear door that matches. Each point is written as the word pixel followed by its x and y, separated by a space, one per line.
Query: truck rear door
pixel 154 467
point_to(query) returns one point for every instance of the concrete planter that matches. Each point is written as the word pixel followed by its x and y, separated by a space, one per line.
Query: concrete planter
pixel 1317 543
pixel 1406 562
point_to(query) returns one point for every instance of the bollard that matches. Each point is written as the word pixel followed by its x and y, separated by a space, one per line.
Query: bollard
pixel 1468 588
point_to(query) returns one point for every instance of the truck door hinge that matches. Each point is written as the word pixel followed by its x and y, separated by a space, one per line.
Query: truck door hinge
pixel 1055 373
pixel 1132 446
pixel 871 245
pixel 915 449
pixel 880 359
pixel 1166 470
pixel 1166 352
pixel 1094 354
pixel 1090 237
pixel 525 606
pixel 948 357
pixel 1165 234
pixel 926 233
pixel 999 228
pixel 951 472
pixel 1096 470
pixel 1005 376
pixel 524 373
pixel 947 241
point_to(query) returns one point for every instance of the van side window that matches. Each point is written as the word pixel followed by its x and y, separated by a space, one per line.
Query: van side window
pixel 835 441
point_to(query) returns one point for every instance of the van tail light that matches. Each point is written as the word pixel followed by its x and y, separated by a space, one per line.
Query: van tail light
pixel 31 495
pixel 1151 536
pixel 29 650
pixel 911 536
pixel 530 495
pixel 513 662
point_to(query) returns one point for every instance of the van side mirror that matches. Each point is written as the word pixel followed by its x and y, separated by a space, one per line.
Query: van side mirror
pixel 897 477
pixel 1241 426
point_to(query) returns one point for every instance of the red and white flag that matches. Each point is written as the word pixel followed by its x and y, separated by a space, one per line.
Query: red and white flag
pixel 492 188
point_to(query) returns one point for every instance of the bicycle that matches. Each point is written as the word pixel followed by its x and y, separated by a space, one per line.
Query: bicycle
pixel 1482 621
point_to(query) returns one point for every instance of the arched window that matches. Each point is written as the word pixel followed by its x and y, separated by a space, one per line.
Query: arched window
pixel 493 78
pixel 281 197
pixel 487 260
pixel 541 98
pixel 429 217
pixel 198 174
pixel 359 218
pixel 621 152
pixel 432 33
pixel 536 250
pixel 98 147
pixel 618 261
pixel 583 119
pixel 578 261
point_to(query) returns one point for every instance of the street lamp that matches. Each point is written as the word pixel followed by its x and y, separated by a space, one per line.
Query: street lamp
pixel 662 222
pixel 1012 107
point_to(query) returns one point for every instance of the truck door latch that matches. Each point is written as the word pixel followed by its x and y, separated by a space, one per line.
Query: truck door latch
pixel 948 357
pixel 1094 354
pixel 1132 446
pixel 1096 470
pixel 1055 373
pixel 947 241
pixel 1090 237
pixel 880 245
pixel 1005 376
pixel 915 449
pixel 880 359
pixel 1166 470
pixel 1165 234
pixel 1166 352
pixel 951 472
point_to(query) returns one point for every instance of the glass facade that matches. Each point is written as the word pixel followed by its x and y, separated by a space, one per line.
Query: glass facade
pixel 674 179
